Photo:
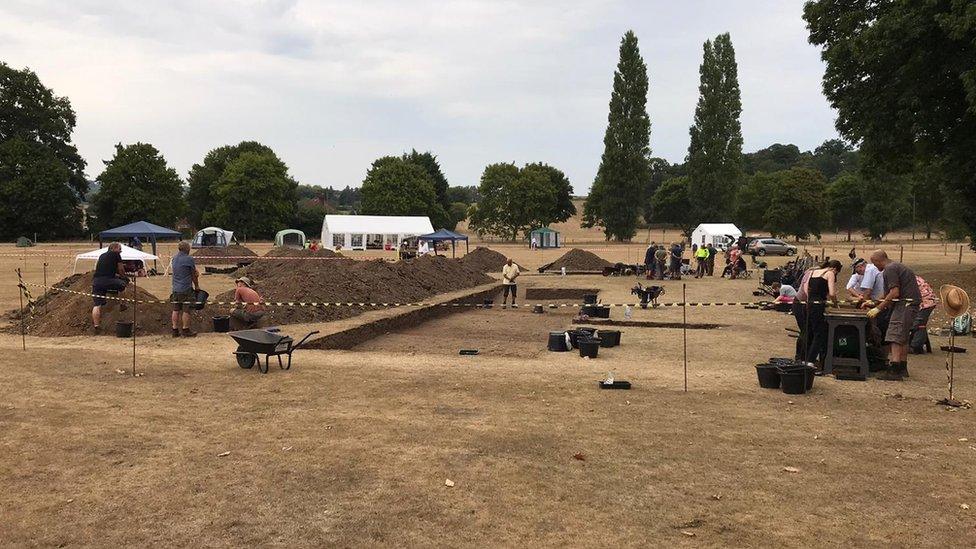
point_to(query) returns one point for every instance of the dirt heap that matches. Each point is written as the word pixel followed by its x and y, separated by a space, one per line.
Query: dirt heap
pixel 233 251
pixel 350 281
pixel 67 314
pixel 577 260
pixel 282 251
pixel 484 260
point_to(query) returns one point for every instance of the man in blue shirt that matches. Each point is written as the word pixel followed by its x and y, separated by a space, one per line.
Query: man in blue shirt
pixel 186 282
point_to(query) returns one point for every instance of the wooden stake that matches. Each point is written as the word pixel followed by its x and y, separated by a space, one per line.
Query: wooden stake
pixel 23 315
pixel 684 324
pixel 901 254
pixel 960 254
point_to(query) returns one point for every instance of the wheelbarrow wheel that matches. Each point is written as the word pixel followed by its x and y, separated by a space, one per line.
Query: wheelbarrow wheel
pixel 246 361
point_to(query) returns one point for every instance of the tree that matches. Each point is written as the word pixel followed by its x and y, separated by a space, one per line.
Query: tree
pixel 752 200
pixel 902 76
pixel 202 182
pixel 886 199
pixel 467 194
pixel 671 205
pixel 715 152
pixel 834 157
pixel 429 163
pixel 661 169
pixel 614 201
pixel 137 184
pixel 309 215
pixel 514 201
pixel 798 205
pixel 562 207
pixel 774 158
pixel 396 186
pixel 845 201
pixel 42 175
pixel 255 195
pixel 928 196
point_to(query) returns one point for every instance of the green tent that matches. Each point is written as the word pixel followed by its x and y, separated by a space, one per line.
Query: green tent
pixel 544 237
pixel 24 242
pixel 291 238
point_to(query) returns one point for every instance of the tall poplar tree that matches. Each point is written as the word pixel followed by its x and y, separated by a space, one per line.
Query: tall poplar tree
pixel 614 202
pixel 715 153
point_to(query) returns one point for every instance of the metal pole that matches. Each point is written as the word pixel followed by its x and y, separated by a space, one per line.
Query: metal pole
pixel 135 294
pixel 684 329
pixel 23 315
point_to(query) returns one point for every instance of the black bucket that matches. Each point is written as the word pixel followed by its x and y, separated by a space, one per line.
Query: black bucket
pixel 589 299
pixel 123 328
pixel 768 376
pixel 609 338
pixel 537 309
pixel 603 312
pixel 488 303
pixel 807 370
pixel 557 342
pixel 589 347
pixel 794 382
pixel 200 297
pixel 586 330
pixel 221 324
pixel 589 310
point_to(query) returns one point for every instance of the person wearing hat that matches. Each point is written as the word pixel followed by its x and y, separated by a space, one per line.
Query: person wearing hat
pixel 902 298
pixel 248 306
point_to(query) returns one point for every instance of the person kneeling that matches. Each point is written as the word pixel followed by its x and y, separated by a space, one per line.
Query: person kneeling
pixel 248 308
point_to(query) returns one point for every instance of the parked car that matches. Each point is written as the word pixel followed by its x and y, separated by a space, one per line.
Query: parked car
pixel 770 246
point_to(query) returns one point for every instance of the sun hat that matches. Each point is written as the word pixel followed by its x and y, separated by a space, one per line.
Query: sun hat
pixel 954 299
pixel 857 263
pixel 247 281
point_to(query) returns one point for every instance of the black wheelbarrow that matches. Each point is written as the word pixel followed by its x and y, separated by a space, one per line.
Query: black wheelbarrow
pixel 251 343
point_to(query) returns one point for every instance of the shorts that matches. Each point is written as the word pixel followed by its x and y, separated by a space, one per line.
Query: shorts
pixel 901 323
pixel 103 285
pixel 246 318
pixel 182 300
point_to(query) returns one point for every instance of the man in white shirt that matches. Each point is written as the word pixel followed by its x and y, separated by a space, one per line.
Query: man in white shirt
pixel 867 281
pixel 510 272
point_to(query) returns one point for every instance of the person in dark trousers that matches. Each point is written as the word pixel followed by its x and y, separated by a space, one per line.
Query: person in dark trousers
pixel 820 288
pixel 710 264
pixel 902 297
pixel 676 261
pixel 510 273
pixel 661 259
pixel 649 263
pixel 186 282
pixel 109 277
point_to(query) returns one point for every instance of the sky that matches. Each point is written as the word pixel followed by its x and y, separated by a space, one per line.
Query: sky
pixel 331 86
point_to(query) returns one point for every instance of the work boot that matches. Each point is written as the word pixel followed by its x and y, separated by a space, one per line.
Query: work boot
pixel 188 333
pixel 176 333
pixel 96 330
pixel 896 372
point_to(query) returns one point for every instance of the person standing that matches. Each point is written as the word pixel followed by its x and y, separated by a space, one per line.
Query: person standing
pixel 710 264
pixel 701 256
pixel 510 272
pixel 734 254
pixel 649 263
pixel 902 298
pixel 109 277
pixel 918 340
pixel 676 261
pixel 535 243
pixel 661 259
pixel 186 282
pixel 819 289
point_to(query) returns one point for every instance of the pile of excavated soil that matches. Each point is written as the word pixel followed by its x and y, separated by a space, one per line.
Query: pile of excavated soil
pixel 298 252
pixel 484 260
pixel 349 281
pixel 234 251
pixel 577 260
pixel 67 314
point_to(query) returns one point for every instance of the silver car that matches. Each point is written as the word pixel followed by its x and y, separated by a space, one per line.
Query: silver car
pixel 771 246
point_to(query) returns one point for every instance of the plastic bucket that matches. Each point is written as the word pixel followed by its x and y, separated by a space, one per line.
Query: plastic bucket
pixel 609 338
pixel 589 299
pixel 768 376
pixel 557 342
pixel 200 297
pixel 221 324
pixel 589 310
pixel 793 382
pixel 537 309
pixel 123 328
pixel 589 347
pixel 603 312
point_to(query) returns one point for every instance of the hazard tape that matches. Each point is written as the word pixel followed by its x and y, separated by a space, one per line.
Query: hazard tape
pixel 424 303
pixel 235 257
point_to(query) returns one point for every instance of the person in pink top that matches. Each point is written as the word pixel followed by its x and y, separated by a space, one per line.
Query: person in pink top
pixel 918 339
pixel 248 308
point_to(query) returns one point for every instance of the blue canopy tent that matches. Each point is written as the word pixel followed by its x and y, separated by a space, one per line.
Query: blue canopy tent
pixel 142 230
pixel 443 235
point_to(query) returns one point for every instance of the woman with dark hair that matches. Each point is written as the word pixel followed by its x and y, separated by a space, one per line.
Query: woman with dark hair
pixel 819 288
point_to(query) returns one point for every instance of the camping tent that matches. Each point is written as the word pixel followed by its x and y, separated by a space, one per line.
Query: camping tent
pixel 720 235
pixel 128 254
pixel 546 237
pixel 292 238
pixel 443 235
pixel 24 242
pixel 357 232
pixel 213 237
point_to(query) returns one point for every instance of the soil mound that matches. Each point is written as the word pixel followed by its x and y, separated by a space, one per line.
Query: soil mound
pixel 484 260
pixel 233 251
pixel 577 260
pixel 350 281
pixel 281 251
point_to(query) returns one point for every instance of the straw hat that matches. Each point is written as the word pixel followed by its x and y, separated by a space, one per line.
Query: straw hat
pixel 247 281
pixel 955 300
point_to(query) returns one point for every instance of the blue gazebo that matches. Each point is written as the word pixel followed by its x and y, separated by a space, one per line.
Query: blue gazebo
pixel 443 235
pixel 144 230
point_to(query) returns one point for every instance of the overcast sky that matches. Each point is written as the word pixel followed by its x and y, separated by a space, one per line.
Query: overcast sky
pixel 330 86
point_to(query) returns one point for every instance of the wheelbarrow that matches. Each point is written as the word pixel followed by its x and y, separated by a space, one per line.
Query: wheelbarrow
pixel 251 343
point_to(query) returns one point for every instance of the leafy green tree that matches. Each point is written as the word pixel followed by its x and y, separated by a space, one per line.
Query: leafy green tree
pixel 562 208
pixel 834 157
pixel 753 199
pixel 886 199
pixel 396 186
pixel 715 152
pixel 429 163
pixel 468 194
pixel 845 202
pixel 928 196
pixel 671 205
pixel 458 213
pixel 902 76
pixel 798 204
pixel 137 184
pixel 615 198
pixel 774 158
pixel 254 195
pixel 202 182
pixel 514 201
pixel 309 215
pixel 661 169
pixel 42 175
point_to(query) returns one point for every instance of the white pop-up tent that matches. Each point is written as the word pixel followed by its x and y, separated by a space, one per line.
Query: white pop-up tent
pixel 213 237
pixel 128 254
pixel 720 235
pixel 357 232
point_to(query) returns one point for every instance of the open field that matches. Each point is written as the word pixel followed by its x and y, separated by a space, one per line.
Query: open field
pixel 353 447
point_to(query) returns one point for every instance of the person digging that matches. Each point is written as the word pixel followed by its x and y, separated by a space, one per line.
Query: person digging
pixel 510 272
pixel 109 277
pixel 248 308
